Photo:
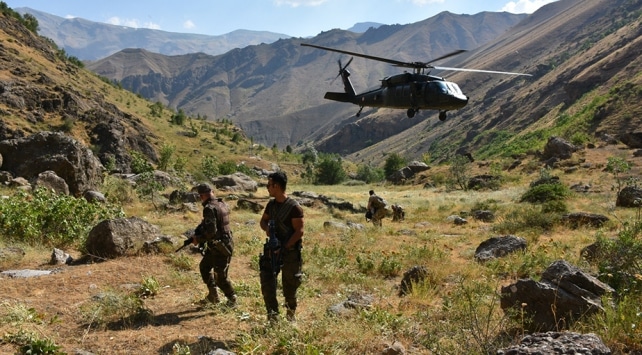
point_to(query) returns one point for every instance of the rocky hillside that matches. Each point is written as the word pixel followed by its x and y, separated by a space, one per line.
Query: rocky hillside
pixel 275 91
pixel 585 61
pixel 88 40
pixel 42 90
pixel 577 51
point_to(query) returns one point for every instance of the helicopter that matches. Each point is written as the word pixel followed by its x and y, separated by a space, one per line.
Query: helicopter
pixel 411 91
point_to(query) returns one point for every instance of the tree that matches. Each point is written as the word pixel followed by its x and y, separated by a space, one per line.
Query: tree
pixel 368 173
pixel 330 170
pixel 393 163
pixel 459 170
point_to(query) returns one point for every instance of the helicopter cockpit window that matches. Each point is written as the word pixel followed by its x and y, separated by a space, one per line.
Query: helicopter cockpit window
pixel 454 88
pixel 441 88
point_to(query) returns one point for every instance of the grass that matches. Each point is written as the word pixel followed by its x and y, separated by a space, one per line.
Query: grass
pixel 150 303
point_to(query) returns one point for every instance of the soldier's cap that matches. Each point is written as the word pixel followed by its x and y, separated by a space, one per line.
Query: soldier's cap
pixel 203 189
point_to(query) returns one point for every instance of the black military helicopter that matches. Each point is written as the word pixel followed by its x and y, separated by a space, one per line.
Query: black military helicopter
pixel 411 91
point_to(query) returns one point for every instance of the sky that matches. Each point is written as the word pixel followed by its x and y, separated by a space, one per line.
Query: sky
pixel 298 18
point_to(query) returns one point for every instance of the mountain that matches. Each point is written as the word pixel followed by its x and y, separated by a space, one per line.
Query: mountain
pixel 361 27
pixel 274 92
pixel 88 40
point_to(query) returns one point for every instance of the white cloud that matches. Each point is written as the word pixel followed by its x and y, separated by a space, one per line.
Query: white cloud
pixel 188 25
pixel 70 16
pixel 134 23
pixel 297 3
pixel 525 6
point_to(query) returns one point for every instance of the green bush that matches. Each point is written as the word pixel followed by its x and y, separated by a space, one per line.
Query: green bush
pixel 51 219
pixel 619 260
pixel 369 174
pixel 546 193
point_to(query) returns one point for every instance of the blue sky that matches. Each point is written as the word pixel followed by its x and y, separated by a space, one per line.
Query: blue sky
pixel 299 18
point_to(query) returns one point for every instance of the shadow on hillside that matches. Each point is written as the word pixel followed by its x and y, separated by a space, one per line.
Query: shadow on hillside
pixel 204 345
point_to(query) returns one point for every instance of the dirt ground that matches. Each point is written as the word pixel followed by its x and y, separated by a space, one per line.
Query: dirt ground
pixel 177 315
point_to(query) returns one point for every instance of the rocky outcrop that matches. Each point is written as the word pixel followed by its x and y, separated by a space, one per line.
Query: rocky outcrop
pixel 563 295
pixel 54 151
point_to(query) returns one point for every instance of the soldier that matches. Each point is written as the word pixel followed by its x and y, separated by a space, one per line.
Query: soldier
pixel 378 208
pixel 215 232
pixel 288 226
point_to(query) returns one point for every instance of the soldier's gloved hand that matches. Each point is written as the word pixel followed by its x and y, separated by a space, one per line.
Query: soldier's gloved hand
pixel 187 242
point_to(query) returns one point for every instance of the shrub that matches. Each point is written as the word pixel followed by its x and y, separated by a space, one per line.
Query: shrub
pixel 330 170
pixel 48 218
pixel 546 192
pixel 369 174
pixel 620 260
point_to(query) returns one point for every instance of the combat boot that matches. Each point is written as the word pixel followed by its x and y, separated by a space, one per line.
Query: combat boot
pixel 290 315
pixel 231 301
pixel 212 296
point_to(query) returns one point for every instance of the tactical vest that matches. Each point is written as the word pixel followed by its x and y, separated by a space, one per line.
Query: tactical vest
pixel 222 214
pixel 280 212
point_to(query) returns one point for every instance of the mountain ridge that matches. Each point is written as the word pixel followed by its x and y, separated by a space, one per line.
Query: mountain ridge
pixel 89 40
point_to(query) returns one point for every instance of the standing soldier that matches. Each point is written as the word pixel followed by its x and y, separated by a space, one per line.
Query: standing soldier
pixel 286 217
pixel 215 232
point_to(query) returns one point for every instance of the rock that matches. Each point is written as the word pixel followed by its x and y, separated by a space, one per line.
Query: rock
pixel 94 196
pixel 559 148
pixel 483 215
pixel 119 237
pixel 354 303
pixel 497 247
pixel 630 196
pixel 245 204
pixel 25 273
pixel 69 159
pixel 49 180
pixel 584 219
pixel 632 140
pixel 558 343
pixel 395 348
pixel 563 295
pixel 59 257
pixel 416 275
pixel 235 182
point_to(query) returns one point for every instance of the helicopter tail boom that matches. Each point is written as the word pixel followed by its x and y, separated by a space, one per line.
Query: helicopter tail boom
pixel 339 96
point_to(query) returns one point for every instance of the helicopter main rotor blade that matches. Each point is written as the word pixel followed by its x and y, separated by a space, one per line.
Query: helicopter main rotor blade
pixel 481 71
pixel 397 63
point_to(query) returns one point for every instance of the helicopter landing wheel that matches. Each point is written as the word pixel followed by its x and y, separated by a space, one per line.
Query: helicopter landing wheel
pixel 442 115
pixel 411 112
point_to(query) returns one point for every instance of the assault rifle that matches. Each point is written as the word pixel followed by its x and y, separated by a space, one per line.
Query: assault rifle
pixel 272 248
pixel 188 241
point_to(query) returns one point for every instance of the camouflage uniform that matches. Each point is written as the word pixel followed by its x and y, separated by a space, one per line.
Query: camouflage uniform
pixel 220 246
pixel 291 271
pixel 379 209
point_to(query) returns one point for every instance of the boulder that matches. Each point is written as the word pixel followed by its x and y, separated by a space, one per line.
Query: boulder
pixel 118 237
pixel 632 140
pixel 415 275
pixel 629 196
pixel 49 180
pixel 559 148
pixel 235 182
pixel 245 204
pixel 563 295
pixel 558 343
pixel 497 247
pixel 69 159
pixel 94 196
